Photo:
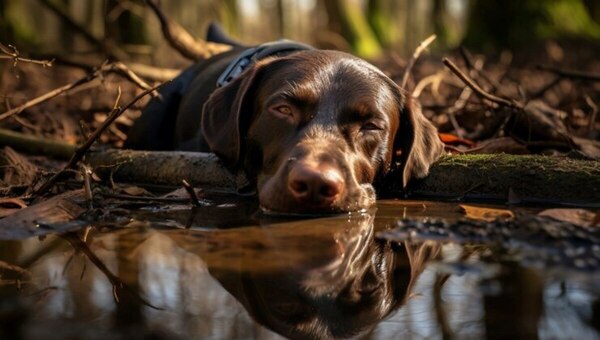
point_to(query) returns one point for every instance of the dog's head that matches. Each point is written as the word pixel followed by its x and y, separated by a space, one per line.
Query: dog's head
pixel 315 128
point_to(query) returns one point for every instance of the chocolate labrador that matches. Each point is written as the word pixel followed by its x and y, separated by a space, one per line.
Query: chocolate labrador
pixel 313 128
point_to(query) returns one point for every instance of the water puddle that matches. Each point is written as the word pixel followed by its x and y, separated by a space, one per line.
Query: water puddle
pixel 227 272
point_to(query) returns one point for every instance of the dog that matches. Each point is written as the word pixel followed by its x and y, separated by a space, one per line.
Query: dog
pixel 313 129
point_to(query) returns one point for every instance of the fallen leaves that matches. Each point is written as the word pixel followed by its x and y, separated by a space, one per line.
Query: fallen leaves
pixel 486 214
pixel 580 217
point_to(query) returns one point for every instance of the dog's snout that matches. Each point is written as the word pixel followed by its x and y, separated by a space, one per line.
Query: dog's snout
pixel 315 185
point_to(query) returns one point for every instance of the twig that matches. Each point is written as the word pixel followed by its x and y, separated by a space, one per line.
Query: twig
pixel 87 185
pixel 12 53
pixel 478 69
pixel 570 73
pixel 118 99
pixel 123 70
pixel 19 120
pixel 82 150
pixel 142 70
pixel 594 108
pixel 411 62
pixel 478 90
pixel 154 73
pixel 182 41
pixel 434 80
pixel 191 192
pixel 459 104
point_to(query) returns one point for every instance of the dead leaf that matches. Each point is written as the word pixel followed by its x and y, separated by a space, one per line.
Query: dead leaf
pixel 486 214
pixel 450 139
pixel 580 217
pixel 135 191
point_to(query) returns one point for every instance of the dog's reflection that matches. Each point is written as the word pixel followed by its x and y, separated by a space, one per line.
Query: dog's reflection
pixel 330 280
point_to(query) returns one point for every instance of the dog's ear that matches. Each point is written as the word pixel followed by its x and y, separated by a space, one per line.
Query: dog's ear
pixel 417 144
pixel 227 114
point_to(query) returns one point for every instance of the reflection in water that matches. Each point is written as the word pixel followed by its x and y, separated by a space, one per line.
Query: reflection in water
pixel 342 290
pixel 318 278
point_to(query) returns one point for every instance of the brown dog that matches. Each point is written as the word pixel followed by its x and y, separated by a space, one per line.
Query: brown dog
pixel 314 128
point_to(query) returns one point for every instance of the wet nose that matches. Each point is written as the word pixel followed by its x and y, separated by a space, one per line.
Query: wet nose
pixel 319 186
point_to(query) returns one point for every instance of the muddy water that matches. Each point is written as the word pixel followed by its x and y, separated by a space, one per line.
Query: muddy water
pixel 234 275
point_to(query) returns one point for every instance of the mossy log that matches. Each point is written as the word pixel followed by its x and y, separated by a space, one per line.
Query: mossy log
pixel 513 179
pixel 499 177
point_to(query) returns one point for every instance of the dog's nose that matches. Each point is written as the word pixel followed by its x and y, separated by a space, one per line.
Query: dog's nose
pixel 319 186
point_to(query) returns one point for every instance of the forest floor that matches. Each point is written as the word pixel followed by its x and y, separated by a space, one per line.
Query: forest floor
pixel 542 100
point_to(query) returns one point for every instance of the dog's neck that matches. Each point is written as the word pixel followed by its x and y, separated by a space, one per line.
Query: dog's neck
pixel 252 55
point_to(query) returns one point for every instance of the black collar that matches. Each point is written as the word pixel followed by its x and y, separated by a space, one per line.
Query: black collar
pixel 254 54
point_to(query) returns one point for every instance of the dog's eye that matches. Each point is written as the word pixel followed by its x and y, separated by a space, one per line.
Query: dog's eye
pixel 369 126
pixel 283 110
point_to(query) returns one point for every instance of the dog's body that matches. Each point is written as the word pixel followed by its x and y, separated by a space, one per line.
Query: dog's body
pixel 314 128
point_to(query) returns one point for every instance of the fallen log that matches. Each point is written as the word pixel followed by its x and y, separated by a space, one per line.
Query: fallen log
pixel 167 168
pixel 499 177
pixel 513 179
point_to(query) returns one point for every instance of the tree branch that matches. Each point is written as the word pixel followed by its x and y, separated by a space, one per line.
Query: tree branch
pixel 82 150
pixel 477 89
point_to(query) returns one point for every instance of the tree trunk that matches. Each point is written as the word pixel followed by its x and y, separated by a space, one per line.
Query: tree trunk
pixel 129 27
pixel 440 22
pixel 381 21
pixel 346 18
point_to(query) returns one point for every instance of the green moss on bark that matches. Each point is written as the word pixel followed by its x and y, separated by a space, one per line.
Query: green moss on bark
pixel 533 179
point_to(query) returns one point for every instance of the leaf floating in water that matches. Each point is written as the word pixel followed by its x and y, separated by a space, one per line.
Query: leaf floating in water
pixel 486 214
pixel 580 217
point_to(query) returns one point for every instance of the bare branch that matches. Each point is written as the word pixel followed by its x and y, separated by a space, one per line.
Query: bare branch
pixel 191 192
pixel 478 90
pixel 411 63
pixel 12 53
pixel 82 150
pixel 182 41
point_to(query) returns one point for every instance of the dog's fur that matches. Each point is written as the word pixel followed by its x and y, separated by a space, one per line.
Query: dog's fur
pixel 314 128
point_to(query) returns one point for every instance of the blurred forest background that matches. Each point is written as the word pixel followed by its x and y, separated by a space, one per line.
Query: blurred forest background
pixel 539 56
pixel 365 27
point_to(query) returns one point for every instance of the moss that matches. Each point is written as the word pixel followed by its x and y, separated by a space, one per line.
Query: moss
pixel 531 178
